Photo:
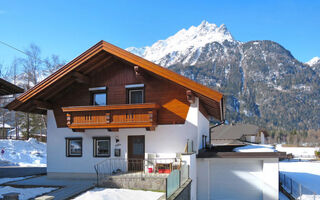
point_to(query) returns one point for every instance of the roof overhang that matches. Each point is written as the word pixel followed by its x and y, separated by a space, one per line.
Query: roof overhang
pixel 7 88
pixel 211 98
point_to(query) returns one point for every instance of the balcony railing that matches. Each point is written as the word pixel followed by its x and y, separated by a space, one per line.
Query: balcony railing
pixel 112 116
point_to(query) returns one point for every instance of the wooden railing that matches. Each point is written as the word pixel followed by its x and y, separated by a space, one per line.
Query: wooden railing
pixel 112 116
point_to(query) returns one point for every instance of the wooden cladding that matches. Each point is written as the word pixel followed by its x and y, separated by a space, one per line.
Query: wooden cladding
pixel 112 116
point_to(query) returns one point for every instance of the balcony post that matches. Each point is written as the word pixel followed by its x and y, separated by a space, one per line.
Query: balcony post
pixel 108 117
pixel 68 119
pixel 150 116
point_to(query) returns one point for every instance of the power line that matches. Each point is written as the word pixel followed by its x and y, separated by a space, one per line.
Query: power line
pixel 15 48
pixel 12 47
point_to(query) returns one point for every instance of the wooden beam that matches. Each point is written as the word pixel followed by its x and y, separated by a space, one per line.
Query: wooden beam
pixel 113 129
pixel 95 66
pixel 78 130
pixel 99 68
pixel 59 90
pixel 152 128
pixel 137 70
pixel 190 96
pixel 80 78
pixel 42 105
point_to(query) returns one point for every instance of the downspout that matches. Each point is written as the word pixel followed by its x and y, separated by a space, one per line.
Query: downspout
pixel 222 117
pixel 214 127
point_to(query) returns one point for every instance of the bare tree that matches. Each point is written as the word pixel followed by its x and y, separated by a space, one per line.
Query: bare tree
pixel 52 64
pixel 14 73
pixel 31 67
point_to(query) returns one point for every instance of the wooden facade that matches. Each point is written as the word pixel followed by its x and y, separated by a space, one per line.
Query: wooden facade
pixel 105 65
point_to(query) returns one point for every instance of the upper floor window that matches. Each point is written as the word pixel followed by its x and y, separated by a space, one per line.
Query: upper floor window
pixel 135 93
pixel 98 96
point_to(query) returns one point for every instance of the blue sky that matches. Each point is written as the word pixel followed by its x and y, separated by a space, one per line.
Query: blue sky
pixel 67 28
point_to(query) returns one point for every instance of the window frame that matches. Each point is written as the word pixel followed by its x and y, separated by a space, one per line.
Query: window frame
pixel 95 146
pixel 98 90
pixel 68 150
pixel 129 90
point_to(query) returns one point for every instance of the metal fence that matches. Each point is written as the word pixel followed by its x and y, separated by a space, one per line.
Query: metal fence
pixel 190 146
pixel 113 166
pixel 176 179
pixel 296 190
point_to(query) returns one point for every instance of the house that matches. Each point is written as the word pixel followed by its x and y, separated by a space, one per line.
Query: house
pixel 5 130
pixel 237 134
pixel 110 111
pixel 6 89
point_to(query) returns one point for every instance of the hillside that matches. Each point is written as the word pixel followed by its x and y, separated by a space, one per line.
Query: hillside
pixel 263 83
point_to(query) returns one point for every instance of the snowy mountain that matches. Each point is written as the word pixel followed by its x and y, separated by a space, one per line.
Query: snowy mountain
pixel 177 47
pixel 313 61
pixel 263 83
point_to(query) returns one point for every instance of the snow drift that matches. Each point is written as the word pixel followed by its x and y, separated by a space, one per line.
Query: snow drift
pixel 23 153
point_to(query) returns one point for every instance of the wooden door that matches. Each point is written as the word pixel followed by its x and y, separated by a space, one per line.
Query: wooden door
pixel 136 153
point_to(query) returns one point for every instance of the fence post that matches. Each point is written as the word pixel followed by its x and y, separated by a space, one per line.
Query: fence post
pixel 167 188
pixel 300 191
pixel 290 186
pixel 179 178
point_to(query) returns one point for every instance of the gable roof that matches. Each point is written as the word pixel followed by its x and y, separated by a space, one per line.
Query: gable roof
pixel 7 88
pixel 212 98
pixel 234 131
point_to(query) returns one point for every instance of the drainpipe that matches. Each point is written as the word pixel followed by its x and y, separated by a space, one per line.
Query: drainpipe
pixel 212 128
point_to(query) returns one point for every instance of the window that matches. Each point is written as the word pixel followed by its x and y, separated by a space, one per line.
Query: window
pixel 74 147
pixel 98 96
pixel 101 147
pixel 135 96
pixel 135 93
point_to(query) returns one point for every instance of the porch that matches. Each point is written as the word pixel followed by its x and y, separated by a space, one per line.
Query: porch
pixel 155 174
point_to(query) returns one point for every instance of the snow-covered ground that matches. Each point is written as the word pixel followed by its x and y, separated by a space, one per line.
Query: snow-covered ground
pixel 26 193
pixel 282 196
pixel 255 148
pixel 5 180
pixel 306 173
pixel 23 153
pixel 299 152
pixel 119 194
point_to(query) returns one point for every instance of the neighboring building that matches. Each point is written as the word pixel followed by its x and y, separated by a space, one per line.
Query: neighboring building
pixel 5 130
pixel 7 88
pixel 110 106
pixel 237 134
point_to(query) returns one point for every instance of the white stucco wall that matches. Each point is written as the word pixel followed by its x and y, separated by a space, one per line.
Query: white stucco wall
pixel 191 160
pixel 237 178
pixel 203 124
pixel 166 139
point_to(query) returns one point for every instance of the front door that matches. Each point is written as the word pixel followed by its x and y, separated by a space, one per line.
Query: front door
pixel 135 153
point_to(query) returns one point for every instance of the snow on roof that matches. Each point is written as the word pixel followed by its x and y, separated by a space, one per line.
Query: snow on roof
pixel 5 125
pixel 255 148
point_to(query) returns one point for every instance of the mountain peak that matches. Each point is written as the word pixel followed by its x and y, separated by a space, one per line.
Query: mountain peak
pixel 190 39
pixel 313 61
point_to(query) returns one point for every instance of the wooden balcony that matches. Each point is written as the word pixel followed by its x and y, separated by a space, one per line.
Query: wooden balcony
pixel 112 117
